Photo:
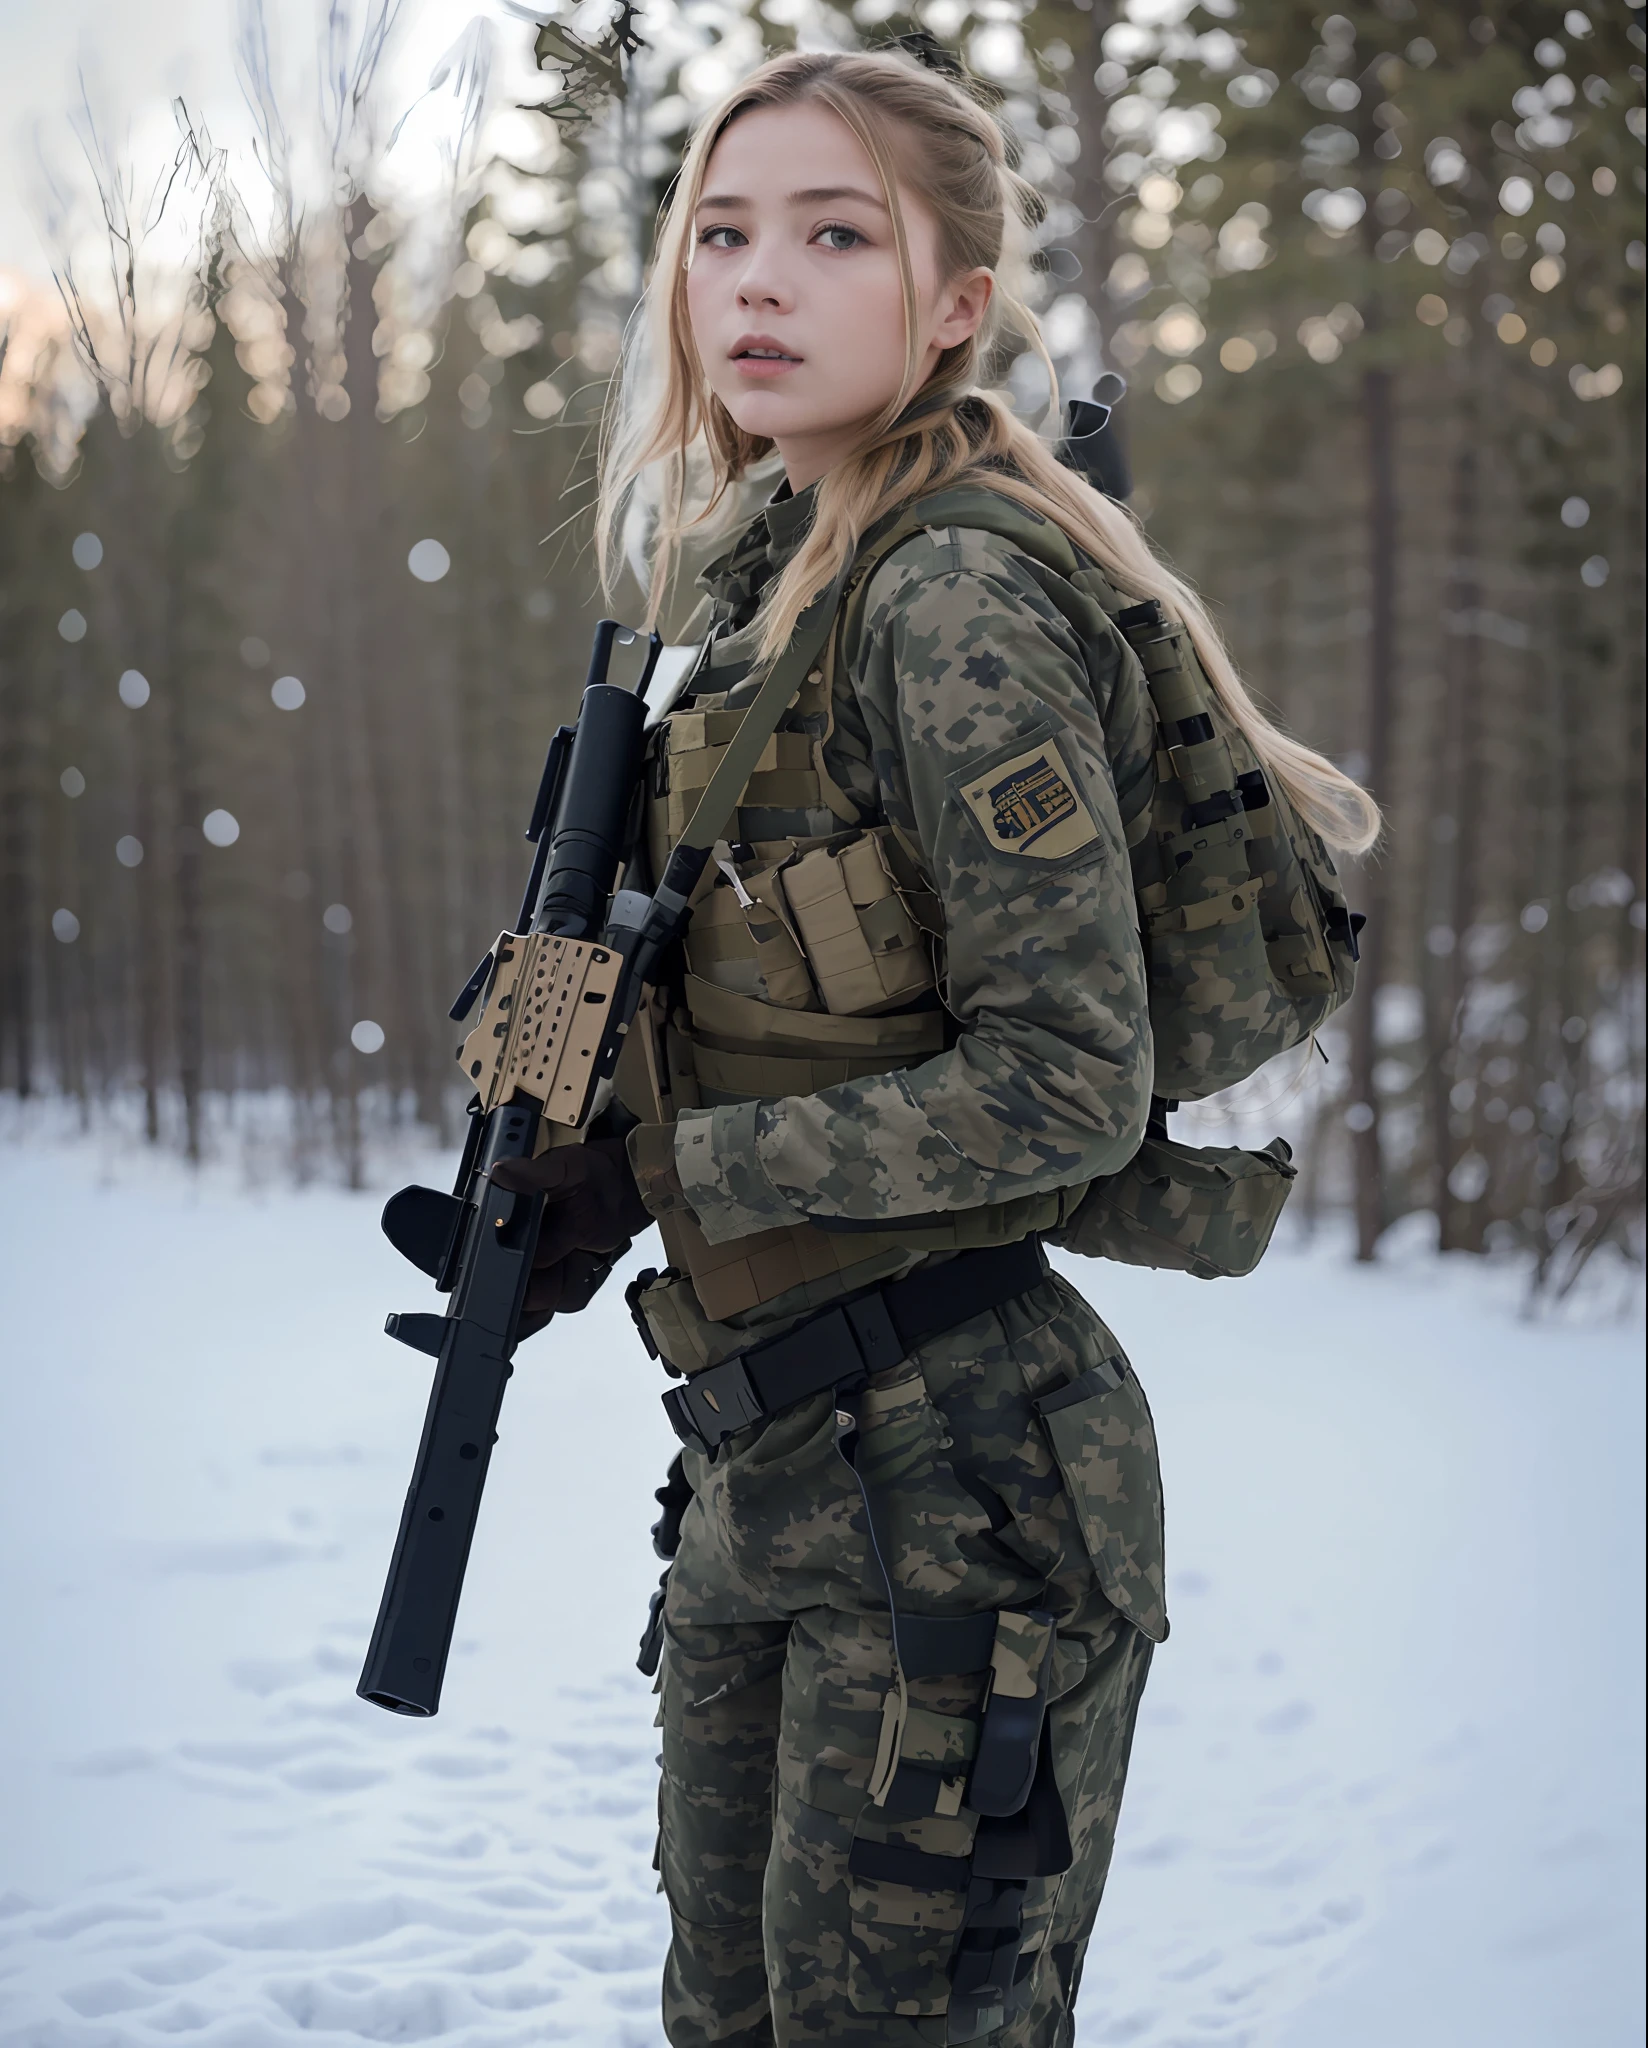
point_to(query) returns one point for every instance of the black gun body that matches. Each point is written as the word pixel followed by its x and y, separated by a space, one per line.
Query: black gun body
pixel 602 771
pixel 484 1257
pixel 406 1661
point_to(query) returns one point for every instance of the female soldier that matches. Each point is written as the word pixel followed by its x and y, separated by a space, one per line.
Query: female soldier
pixel 919 1578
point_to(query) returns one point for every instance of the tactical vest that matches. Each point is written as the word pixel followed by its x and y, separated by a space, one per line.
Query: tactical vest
pixel 811 959
pixel 814 951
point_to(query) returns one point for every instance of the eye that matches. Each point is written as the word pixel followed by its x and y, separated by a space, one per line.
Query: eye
pixel 850 238
pixel 711 238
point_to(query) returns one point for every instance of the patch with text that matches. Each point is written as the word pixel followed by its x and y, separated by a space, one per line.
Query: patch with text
pixel 1030 805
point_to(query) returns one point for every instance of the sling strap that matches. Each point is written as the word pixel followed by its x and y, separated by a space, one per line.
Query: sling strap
pixel 777 692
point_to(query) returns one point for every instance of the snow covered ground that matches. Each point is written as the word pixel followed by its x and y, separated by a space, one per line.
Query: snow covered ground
pixel 1388 1784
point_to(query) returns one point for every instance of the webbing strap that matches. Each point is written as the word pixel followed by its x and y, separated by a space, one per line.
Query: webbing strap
pixel 1007 1849
pixel 777 692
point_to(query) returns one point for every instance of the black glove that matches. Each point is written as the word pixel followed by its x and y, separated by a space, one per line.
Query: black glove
pixel 592 1210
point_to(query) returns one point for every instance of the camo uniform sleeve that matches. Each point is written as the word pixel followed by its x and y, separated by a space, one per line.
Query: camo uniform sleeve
pixel 989 754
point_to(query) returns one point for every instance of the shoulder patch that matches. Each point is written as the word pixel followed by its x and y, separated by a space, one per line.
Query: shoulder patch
pixel 1031 805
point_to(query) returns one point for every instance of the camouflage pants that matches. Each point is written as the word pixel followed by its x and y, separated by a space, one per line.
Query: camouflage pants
pixel 778 1659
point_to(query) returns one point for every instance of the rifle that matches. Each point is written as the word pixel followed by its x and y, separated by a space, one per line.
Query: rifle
pixel 557 995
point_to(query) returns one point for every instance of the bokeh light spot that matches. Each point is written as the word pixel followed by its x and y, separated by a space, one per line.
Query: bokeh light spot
pixel 87 551
pixel 287 692
pixel 65 927
pixel 71 782
pixel 129 851
pixel 222 828
pixel 253 651
pixel 1183 381
pixel 134 689
pixel 337 918
pixel 367 1036
pixel 72 625
pixel 429 561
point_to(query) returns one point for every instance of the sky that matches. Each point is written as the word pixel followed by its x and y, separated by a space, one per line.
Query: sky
pixel 137 56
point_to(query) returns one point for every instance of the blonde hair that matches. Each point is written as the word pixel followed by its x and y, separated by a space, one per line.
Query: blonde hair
pixel 671 448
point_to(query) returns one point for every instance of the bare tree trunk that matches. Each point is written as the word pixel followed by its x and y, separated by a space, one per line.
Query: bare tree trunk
pixel 1457 1228
pixel 1094 242
pixel 19 891
pixel 176 681
pixel 1379 428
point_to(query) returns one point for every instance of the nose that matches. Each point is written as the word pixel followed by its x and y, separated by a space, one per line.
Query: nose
pixel 761 285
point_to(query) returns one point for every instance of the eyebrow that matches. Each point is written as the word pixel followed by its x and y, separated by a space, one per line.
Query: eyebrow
pixel 816 195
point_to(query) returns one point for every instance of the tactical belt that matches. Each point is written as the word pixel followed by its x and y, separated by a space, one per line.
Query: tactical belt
pixel 848 1340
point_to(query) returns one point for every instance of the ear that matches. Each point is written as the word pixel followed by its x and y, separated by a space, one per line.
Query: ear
pixel 962 306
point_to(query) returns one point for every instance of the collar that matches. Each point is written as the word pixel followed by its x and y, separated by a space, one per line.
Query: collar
pixel 738 575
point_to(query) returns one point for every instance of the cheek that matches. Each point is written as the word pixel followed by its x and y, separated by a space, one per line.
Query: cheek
pixel 868 314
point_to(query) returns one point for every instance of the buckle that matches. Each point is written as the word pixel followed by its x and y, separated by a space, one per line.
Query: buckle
pixel 879 1344
pixel 713 1405
pixel 681 1421
pixel 632 1301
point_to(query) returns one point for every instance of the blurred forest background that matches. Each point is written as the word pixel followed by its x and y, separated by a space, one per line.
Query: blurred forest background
pixel 296 576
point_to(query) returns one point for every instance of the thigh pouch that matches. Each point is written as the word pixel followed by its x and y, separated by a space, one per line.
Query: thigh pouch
pixel 982 1785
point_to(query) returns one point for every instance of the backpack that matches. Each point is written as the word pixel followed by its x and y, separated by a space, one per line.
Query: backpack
pixel 1249 944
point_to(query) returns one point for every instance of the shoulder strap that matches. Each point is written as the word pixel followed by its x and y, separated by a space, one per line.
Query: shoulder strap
pixel 777 692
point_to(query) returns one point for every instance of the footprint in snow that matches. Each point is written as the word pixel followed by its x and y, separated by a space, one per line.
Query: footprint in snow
pixel 486 1962
pixel 610 1958
pixel 1287 1720
pixel 254 1756
pixel 1166 1849
pixel 517 1997
pixel 107 1995
pixel 185 1966
pixel 631 1997
pixel 1132 2026
pixel 332 1777
pixel 406 2012
pixel 76 1921
pixel 1198 1966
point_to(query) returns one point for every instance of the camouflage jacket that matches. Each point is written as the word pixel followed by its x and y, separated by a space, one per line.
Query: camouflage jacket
pixel 989 711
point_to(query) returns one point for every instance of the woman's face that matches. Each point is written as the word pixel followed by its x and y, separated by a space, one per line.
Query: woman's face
pixel 793 288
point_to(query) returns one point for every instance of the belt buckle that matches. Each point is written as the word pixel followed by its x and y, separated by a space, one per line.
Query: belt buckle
pixel 714 1404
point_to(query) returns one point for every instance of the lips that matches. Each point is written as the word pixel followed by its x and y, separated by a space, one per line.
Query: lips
pixel 761 348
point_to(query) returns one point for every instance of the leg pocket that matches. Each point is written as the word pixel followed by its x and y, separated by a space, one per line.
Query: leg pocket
pixel 1101 1433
